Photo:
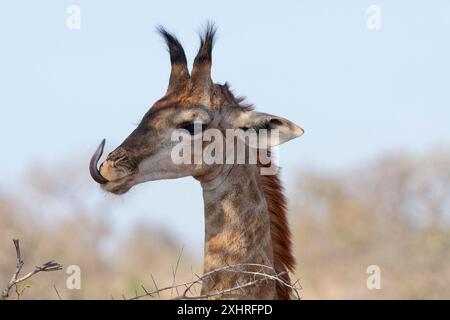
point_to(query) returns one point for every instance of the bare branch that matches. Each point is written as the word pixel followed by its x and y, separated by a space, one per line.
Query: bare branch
pixel 49 266
pixel 265 273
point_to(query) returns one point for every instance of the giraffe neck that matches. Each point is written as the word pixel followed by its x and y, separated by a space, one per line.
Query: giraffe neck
pixel 237 230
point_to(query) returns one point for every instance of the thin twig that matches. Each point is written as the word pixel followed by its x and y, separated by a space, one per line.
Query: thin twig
pixel 146 292
pixel 265 273
pixel 156 286
pixel 57 293
pixel 174 272
pixel 49 266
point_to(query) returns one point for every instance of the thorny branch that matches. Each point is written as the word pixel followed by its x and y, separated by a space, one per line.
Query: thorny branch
pixel 49 266
pixel 265 273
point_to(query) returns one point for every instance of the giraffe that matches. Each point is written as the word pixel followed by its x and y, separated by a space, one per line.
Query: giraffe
pixel 245 211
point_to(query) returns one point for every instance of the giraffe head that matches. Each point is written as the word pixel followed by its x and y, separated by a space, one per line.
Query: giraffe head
pixel 192 100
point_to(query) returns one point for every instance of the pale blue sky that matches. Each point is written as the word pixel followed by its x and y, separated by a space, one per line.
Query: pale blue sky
pixel 357 93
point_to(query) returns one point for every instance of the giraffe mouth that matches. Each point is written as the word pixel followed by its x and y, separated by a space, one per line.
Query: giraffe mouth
pixel 119 186
pixel 114 176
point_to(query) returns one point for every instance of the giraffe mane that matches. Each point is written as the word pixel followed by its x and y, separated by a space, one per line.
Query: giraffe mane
pixel 284 261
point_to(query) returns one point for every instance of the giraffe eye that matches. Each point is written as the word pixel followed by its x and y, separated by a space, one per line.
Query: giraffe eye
pixel 193 127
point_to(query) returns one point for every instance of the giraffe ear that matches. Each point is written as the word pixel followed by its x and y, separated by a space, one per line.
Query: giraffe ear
pixel 279 130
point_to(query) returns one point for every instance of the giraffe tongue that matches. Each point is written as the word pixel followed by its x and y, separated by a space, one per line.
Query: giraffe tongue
pixel 95 173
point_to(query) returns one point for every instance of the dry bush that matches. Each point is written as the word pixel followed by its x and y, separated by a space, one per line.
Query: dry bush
pixel 61 222
pixel 393 213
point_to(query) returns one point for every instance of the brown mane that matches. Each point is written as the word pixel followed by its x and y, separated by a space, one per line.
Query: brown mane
pixel 283 258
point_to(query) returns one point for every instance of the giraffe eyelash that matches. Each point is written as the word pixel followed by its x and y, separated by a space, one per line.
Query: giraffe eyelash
pixel 190 126
pixel 266 125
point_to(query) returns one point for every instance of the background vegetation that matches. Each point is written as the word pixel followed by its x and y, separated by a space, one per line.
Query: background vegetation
pixel 392 211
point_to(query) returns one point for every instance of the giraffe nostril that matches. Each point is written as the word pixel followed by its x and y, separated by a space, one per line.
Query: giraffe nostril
pixel 117 161
pixel 118 155
pixel 114 171
pixel 118 165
